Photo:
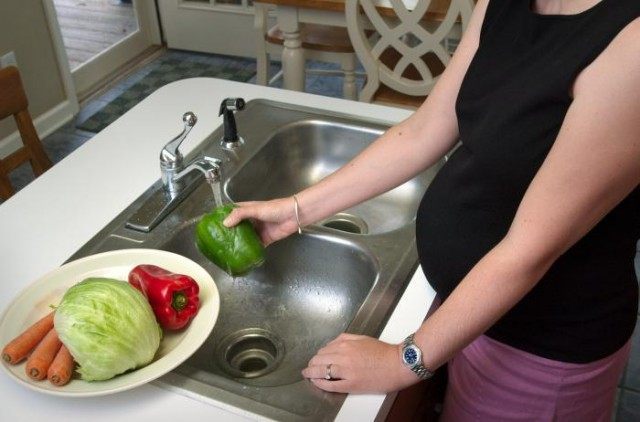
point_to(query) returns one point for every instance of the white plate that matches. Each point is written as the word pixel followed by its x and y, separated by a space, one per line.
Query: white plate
pixel 175 347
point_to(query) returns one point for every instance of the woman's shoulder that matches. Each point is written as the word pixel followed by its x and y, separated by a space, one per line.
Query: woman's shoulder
pixel 624 49
pixel 620 57
pixel 630 33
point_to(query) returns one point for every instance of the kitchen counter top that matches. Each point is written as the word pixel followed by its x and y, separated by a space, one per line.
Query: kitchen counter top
pixel 46 222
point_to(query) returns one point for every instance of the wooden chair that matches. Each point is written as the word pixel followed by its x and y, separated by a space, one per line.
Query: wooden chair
pixel 403 51
pixel 319 42
pixel 13 101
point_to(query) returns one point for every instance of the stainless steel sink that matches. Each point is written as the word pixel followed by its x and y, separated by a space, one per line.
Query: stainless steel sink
pixel 290 306
pixel 304 152
pixel 344 274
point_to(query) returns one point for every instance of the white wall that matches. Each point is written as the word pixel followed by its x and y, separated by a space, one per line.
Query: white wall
pixel 25 31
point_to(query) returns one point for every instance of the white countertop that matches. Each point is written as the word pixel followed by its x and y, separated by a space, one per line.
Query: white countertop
pixel 46 222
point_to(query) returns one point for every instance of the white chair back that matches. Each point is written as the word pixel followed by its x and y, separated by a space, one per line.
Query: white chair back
pixel 408 33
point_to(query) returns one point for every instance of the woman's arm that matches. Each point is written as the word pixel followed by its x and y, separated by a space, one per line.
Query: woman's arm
pixel 593 165
pixel 400 154
pixel 405 149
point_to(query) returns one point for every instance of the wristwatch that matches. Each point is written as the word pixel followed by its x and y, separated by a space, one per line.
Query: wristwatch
pixel 412 358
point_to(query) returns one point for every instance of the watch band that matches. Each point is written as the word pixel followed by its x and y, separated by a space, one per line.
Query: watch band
pixel 419 369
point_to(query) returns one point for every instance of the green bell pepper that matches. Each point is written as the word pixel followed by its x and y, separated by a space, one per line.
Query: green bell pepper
pixel 236 250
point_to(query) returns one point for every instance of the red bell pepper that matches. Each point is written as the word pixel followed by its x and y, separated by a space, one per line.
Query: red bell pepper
pixel 173 297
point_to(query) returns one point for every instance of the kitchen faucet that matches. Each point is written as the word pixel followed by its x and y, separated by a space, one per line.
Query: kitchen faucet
pixel 172 166
pixel 177 180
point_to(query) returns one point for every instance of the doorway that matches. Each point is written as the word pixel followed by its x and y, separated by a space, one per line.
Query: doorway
pixel 90 27
pixel 101 37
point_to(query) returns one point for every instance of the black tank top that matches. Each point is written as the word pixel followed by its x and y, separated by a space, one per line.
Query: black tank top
pixel 510 108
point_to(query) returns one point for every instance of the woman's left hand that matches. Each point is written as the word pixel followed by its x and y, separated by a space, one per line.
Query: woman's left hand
pixel 359 364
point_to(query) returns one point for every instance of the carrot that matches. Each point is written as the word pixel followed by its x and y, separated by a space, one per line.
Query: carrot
pixel 40 360
pixel 20 347
pixel 61 369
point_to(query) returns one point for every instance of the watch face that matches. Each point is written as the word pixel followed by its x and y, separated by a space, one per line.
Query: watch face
pixel 410 355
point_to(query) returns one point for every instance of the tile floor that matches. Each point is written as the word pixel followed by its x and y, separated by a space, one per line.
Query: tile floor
pixel 66 139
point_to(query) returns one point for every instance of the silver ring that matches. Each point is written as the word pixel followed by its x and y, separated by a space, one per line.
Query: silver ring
pixel 327 376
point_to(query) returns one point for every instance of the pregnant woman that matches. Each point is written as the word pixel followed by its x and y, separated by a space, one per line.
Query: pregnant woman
pixel 529 231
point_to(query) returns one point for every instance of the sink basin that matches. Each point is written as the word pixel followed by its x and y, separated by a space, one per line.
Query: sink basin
pixel 300 154
pixel 291 305
pixel 342 274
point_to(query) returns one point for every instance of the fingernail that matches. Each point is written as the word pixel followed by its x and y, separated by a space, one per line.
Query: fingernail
pixel 226 222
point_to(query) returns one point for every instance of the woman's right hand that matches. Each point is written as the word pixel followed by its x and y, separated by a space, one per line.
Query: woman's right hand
pixel 273 220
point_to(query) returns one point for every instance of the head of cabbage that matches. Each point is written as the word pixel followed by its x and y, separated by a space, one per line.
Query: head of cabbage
pixel 108 326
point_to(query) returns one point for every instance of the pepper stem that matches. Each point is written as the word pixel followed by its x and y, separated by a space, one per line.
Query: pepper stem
pixel 179 301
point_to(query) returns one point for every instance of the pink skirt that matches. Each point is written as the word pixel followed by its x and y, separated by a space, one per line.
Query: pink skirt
pixel 490 381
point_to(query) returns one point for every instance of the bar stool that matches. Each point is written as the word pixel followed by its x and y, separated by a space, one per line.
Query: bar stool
pixel 403 51
pixel 13 101
pixel 319 42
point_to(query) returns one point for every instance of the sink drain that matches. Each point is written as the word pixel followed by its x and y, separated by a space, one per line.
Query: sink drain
pixel 250 353
pixel 346 223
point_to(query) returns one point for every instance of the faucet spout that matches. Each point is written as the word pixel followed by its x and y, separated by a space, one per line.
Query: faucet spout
pixel 210 167
pixel 212 170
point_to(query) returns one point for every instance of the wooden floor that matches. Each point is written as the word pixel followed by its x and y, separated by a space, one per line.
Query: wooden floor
pixel 91 26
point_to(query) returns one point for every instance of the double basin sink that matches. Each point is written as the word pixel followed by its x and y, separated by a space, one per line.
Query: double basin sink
pixel 343 274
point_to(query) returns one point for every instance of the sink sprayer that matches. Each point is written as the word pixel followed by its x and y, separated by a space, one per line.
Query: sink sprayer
pixel 231 139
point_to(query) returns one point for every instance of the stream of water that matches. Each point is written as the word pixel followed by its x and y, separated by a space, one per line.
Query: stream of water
pixel 216 188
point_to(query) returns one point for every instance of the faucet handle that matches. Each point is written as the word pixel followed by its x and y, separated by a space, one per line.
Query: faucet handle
pixel 189 118
pixel 170 155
